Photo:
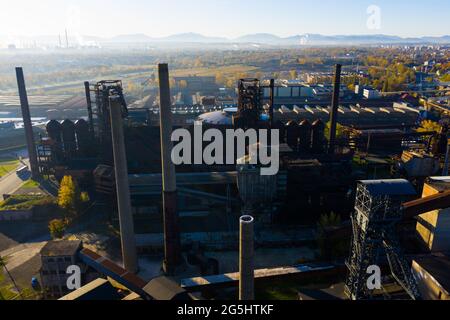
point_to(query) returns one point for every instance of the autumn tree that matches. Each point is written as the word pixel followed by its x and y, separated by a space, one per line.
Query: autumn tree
pixel 69 195
pixel 340 130
pixel 220 78
pixel 293 74
pixel 429 126
pixel 57 228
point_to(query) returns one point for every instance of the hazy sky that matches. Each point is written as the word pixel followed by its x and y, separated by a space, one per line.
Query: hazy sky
pixel 227 18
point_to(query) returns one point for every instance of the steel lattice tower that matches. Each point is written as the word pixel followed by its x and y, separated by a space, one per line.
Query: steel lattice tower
pixel 377 212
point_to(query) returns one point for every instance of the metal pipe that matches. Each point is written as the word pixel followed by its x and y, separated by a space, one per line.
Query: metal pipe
pixel 32 154
pixel 172 242
pixel 246 264
pixel 128 243
pixel 334 109
pixel 89 106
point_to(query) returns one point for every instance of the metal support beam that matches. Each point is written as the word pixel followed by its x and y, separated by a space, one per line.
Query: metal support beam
pixel 32 153
pixel 129 254
pixel 172 242
pixel 334 109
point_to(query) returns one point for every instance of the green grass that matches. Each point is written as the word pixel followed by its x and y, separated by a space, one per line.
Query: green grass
pixel 6 293
pixel 280 292
pixel 30 184
pixel 25 202
pixel 8 165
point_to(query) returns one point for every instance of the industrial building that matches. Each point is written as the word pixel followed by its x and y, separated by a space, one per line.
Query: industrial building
pixel 180 210
pixel 56 257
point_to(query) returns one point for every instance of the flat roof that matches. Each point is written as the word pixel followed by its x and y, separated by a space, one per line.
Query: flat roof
pixel 99 289
pixel 392 187
pixel 61 248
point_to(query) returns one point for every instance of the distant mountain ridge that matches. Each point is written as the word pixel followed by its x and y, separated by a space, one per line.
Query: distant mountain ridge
pixel 257 38
pixel 271 39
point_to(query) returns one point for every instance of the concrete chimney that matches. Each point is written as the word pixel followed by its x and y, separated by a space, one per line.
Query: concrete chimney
pixel 246 253
pixel 334 109
pixel 89 106
pixel 172 242
pixel 32 154
pixel 129 255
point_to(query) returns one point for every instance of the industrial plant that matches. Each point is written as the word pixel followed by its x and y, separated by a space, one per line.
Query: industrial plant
pixel 360 195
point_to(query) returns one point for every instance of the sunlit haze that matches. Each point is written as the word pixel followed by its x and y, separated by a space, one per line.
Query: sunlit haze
pixel 221 18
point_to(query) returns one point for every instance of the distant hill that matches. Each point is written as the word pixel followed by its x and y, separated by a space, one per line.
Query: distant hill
pixel 263 38
pixel 245 40
pixel 129 38
pixel 192 37
pixel 318 39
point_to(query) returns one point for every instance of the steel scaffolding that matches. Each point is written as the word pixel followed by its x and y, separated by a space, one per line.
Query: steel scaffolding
pixel 377 212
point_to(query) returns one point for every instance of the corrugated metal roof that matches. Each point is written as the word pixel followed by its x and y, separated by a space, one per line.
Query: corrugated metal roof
pixel 392 187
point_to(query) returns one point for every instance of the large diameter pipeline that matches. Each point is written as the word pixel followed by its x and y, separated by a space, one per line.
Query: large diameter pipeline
pixel 246 257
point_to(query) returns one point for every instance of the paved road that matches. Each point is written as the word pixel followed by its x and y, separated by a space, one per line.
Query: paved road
pixel 10 183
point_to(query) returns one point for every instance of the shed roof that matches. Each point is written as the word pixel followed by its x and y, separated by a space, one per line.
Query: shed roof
pixel 391 187
pixel 163 288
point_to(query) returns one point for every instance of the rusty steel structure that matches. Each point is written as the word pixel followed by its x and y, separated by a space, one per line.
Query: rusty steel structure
pixel 249 104
pixel 378 210
pixel 103 91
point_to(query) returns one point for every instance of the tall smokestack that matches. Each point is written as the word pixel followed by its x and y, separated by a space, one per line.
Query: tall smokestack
pixel 32 154
pixel 89 106
pixel 122 187
pixel 67 39
pixel 172 242
pixel 334 109
pixel 246 252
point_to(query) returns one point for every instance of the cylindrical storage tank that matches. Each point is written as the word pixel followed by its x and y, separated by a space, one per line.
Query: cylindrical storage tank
pixel 54 132
pixel 292 135
pixel 83 139
pixel 246 263
pixel 69 138
pixel 54 129
pixel 318 136
pixel 304 136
